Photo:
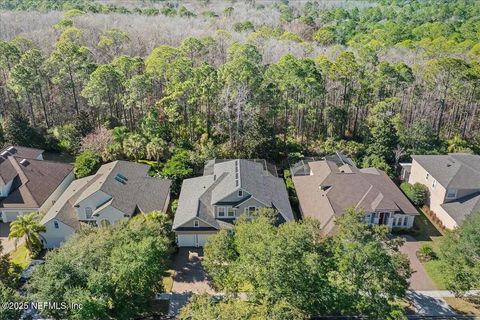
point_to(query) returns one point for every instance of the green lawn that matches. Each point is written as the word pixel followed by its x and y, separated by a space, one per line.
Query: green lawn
pixel 21 256
pixel 436 271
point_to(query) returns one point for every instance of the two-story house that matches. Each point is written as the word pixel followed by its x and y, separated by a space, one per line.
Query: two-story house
pixel 227 189
pixel 328 187
pixel 118 190
pixel 28 183
pixel 453 183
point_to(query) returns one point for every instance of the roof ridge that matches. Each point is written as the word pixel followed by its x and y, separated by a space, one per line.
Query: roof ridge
pixel 364 196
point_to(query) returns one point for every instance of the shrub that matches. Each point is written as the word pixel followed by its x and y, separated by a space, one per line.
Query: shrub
pixel 86 163
pixel 427 252
pixel 417 193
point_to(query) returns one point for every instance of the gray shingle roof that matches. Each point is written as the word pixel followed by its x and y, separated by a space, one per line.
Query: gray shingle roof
pixel 455 170
pixel 461 208
pixel 138 191
pixel 223 178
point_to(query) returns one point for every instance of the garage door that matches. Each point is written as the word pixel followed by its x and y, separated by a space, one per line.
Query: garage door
pixel 187 240
pixel 202 239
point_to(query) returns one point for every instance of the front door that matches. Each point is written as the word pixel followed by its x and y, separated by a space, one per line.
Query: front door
pixel 381 218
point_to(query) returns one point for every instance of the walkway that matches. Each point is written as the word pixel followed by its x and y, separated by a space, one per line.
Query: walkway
pixel 419 279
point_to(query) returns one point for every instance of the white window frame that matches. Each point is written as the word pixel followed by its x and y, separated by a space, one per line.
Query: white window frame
pixel 240 193
pixel 224 212
pixel 196 224
pixel 455 195
pixel 230 210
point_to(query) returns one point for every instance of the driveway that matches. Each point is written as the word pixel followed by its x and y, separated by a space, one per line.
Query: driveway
pixel 189 274
pixel 419 279
pixel 427 304
pixel 8 245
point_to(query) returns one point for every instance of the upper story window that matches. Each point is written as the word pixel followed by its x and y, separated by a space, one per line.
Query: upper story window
pixel 231 212
pixel 451 193
pixel 426 177
pixel 250 210
pixel 221 211
pixel 434 183
pixel 196 224
pixel 88 212
pixel 55 224
pixel 240 193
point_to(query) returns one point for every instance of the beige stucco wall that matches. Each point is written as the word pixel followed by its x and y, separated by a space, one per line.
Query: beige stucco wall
pixel 53 237
pixel 436 194
pixel 110 214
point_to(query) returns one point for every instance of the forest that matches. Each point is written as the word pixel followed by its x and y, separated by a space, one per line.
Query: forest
pixel 378 80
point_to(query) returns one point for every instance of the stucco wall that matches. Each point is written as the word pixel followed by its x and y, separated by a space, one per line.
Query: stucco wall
pixel 109 213
pixel 53 237
pixel 436 195
pixel 92 201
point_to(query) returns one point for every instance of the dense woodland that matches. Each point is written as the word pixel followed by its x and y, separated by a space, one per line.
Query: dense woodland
pixel 379 81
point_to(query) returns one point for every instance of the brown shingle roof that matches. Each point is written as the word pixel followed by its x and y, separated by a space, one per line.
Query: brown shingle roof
pixel 331 189
pixel 34 180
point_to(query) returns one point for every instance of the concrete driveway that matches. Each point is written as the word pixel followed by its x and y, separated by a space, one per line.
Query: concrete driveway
pixel 8 245
pixel 419 279
pixel 189 274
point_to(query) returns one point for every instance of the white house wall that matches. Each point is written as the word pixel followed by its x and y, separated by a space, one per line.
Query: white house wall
pixel 8 215
pixel 5 190
pixel 109 213
pixel 93 201
pixel 53 237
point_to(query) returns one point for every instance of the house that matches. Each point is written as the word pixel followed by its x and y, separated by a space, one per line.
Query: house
pixel 227 189
pixel 118 190
pixel 328 187
pixel 453 182
pixel 28 183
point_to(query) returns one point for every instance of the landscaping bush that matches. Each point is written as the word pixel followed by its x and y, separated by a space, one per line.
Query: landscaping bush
pixel 427 252
pixel 417 193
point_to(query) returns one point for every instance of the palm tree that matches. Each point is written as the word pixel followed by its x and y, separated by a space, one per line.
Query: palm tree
pixel 155 149
pixel 134 146
pixel 29 227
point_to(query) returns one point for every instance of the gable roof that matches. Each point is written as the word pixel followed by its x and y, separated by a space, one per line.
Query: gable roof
pixel 136 192
pixel 455 170
pixel 33 180
pixel 222 178
pixel 333 187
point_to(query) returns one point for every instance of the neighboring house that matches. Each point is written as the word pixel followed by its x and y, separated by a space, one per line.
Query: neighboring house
pixel 327 188
pixel 118 190
pixel 28 183
pixel 227 189
pixel 453 183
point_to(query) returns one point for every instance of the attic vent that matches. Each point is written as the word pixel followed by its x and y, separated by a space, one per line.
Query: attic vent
pixel 449 164
pixel 324 188
pixel 24 162
pixel 214 177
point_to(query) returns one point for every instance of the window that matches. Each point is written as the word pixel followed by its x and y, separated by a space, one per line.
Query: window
pixel 231 212
pixel 405 220
pixel 196 224
pixel 434 183
pixel 451 193
pixel 372 217
pixel 426 177
pixel 88 212
pixel 251 209
pixel 240 193
pixel 221 211
pixel 55 224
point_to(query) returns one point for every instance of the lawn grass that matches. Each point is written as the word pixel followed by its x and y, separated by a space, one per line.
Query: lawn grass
pixel 436 272
pixel 463 306
pixel 21 256
pixel 168 280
